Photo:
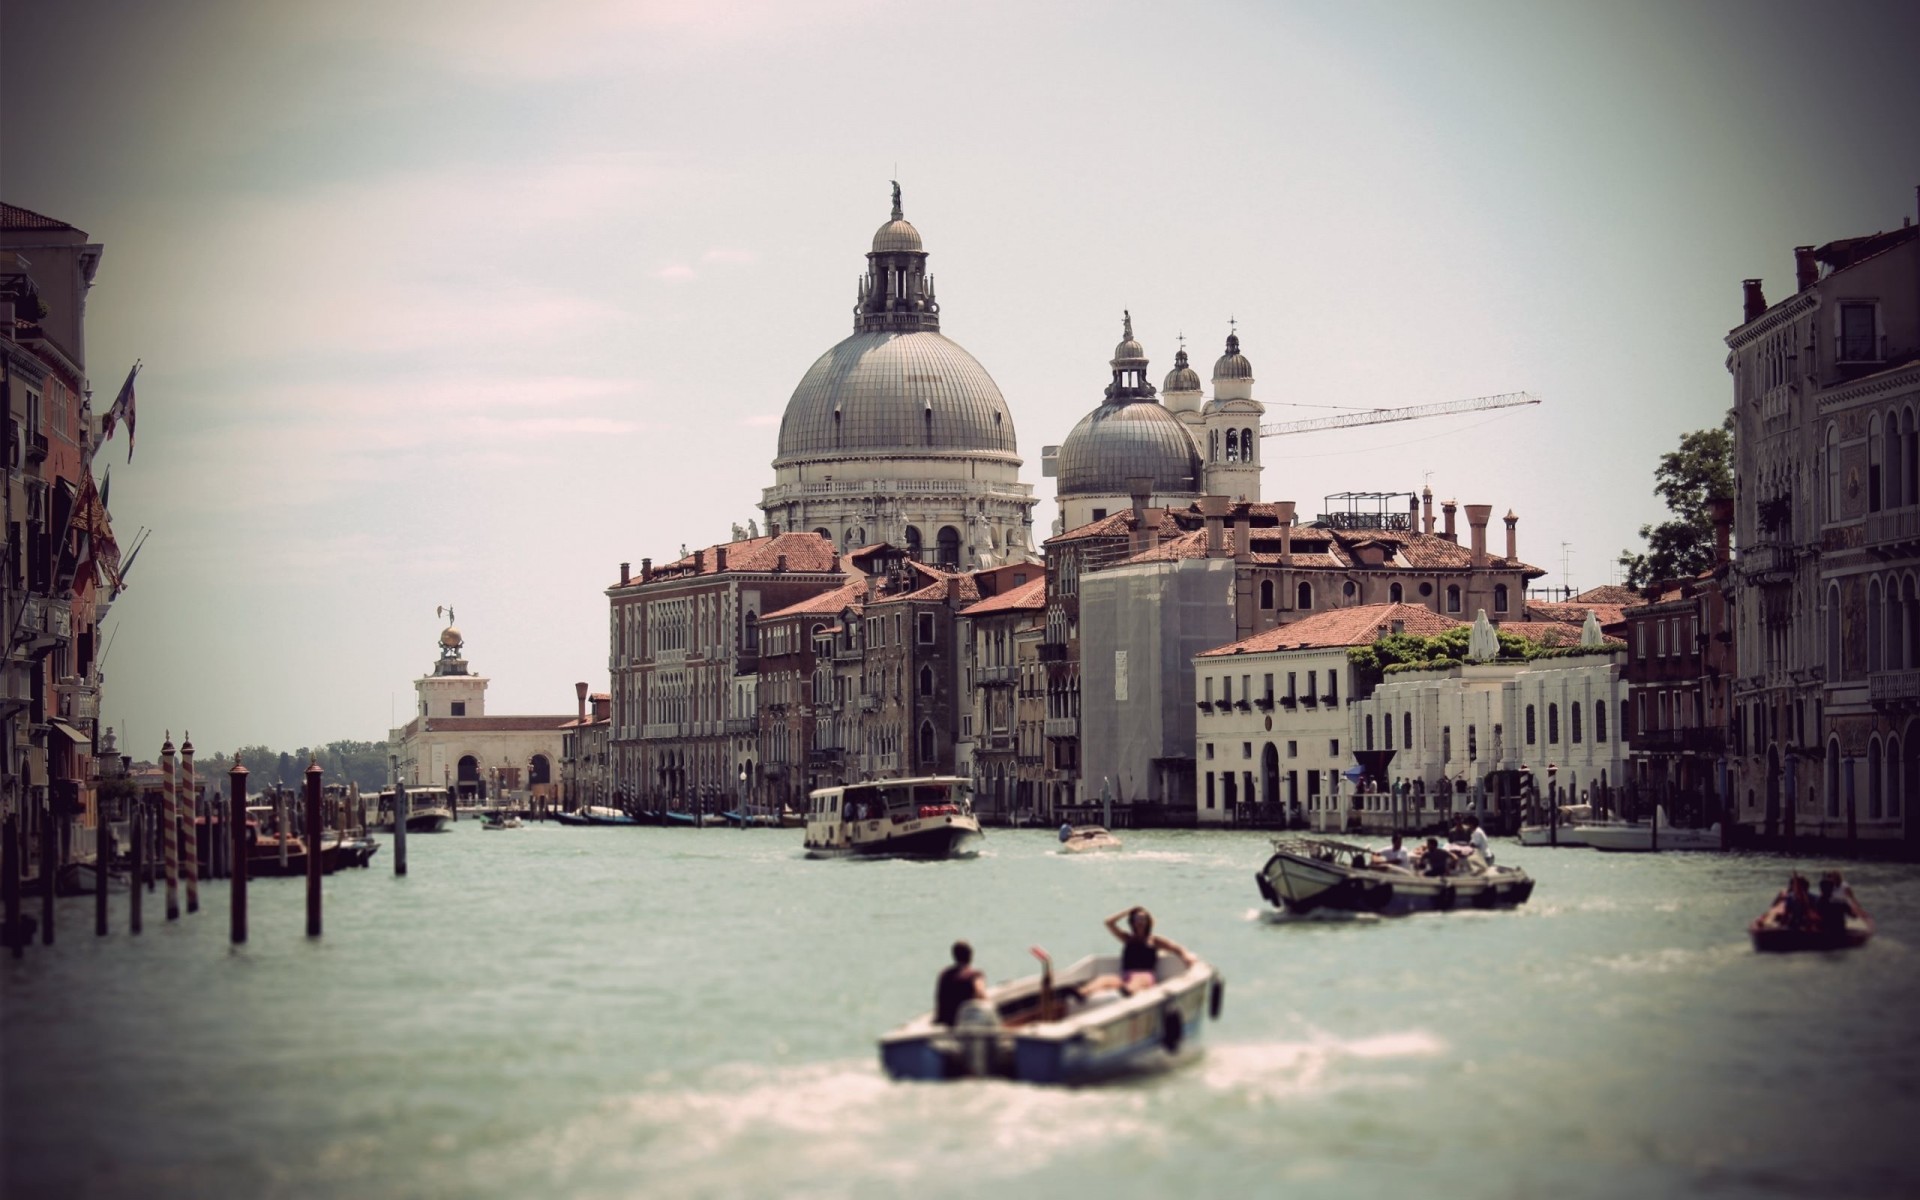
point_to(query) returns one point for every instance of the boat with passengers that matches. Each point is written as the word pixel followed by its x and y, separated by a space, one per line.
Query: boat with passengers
pixel 1308 874
pixel 928 817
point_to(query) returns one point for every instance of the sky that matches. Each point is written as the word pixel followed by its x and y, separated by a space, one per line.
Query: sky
pixel 466 303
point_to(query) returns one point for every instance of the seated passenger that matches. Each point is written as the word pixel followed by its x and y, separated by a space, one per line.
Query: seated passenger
pixel 957 985
pixel 1436 860
pixel 1139 954
pixel 1396 855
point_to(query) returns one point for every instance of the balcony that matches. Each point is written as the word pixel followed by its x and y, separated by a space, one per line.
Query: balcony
pixel 740 725
pixel 1892 689
pixel 1289 702
pixel 80 703
pixel 1678 741
pixel 999 676
pixel 869 703
pixel 1264 703
pixel 998 743
pixel 36 447
pixel 1053 652
pixel 1894 526
pixel 1063 727
pixel 1767 562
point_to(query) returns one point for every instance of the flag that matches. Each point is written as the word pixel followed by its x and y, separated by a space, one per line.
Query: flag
pixel 121 410
pixel 98 555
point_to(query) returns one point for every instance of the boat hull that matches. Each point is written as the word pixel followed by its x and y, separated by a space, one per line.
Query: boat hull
pixel 1540 835
pixel 1302 883
pixel 959 838
pixel 1628 839
pixel 1776 939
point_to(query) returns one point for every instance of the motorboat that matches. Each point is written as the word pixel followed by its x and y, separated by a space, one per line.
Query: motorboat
pixel 1082 839
pixel 596 814
pixel 790 819
pixel 1835 923
pixel 927 817
pixel 1309 873
pixel 1042 1030
pixel 428 810
pixel 1568 830
pixel 1656 834
pixel 501 821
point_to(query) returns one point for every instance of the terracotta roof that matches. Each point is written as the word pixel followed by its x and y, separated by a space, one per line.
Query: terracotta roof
pixel 1609 593
pixel 826 603
pixel 1032 594
pixel 804 551
pixel 1360 625
pixel 12 216
pixel 1329 550
pixel 941 587
pixel 1120 524
pixel 1544 633
pixel 498 724
pixel 1574 612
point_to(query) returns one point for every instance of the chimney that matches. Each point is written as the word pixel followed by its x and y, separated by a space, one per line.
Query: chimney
pixel 780 562
pixel 719 558
pixel 1140 487
pixel 1754 301
pixel 602 707
pixel 1284 510
pixel 625 577
pixel 1214 509
pixel 1413 514
pixel 1513 539
pixel 1447 509
pixel 580 693
pixel 1477 516
pixel 1426 499
pixel 773 528
pixel 1806 272
pixel 1721 509
pixel 646 570
pixel 699 562
pixel 1243 536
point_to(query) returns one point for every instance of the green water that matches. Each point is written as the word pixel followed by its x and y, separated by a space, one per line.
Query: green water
pixel 629 1012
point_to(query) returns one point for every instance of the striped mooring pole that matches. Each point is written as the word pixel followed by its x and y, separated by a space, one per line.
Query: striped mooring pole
pixel 170 829
pixel 190 823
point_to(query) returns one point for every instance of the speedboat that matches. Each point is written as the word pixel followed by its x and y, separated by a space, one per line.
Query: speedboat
pixel 1838 923
pixel 501 821
pixel 1080 839
pixel 1040 1030
pixel 1651 835
pixel 928 817
pixel 1308 873
pixel 1569 830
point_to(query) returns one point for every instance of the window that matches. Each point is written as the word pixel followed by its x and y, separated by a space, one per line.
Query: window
pixel 1099 514
pixel 1246 749
pixel 1293 749
pixel 1386 727
pixel 1370 731
pixel 1394 593
pixel 1233 445
pixel 1530 728
pixel 1599 720
pixel 1349 589
pixel 1266 593
pixel 1660 637
pixel 1303 596
pixel 1573 722
pixel 1269 691
pixel 926 743
pixel 753 633
pixel 1246 444
pixel 1291 676
pixel 1209 784
pixel 1858 342
pixel 926 681
pixel 1833 473
pixel 1333 747
pixel 459 708
pixel 1333 688
pixel 1553 724
pixel 1406 727
pixel 1453 598
pixel 926 629
pixel 1446 744
pixel 1209 749
pixel 1473 743
pixel 1836 667
pixel 1499 597
pixel 1876 452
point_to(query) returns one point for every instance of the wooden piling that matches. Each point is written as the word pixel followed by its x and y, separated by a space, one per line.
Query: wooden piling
pixel 10 884
pixel 49 869
pixel 170 828
pixel 237 850
pixel 102 866
pixel 399 827
pixel 137 851
pixel 313 848
pixel 190 804
pixel 280 823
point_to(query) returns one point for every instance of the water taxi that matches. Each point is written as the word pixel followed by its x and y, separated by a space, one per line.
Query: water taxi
pixel 428 810
pixel 929 817
pixel 1307 873
pixel 1041 1030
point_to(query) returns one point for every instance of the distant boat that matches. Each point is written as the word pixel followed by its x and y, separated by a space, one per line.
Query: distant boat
pixel 1617 835
pixel 928 817
pixel 501 821
pixel 1083 839
pixel 428 810
pixel 1307 873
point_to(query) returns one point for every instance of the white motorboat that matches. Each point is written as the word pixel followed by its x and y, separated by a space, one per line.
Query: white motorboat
pixel 1082 839
pixel 1567 831
pixel 1308 873
pixel 1039 1030
pixel 428 810
pixel 928 817
pixel 1651 835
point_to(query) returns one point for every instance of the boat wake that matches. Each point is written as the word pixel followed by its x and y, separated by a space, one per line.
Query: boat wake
pixel 1320 1064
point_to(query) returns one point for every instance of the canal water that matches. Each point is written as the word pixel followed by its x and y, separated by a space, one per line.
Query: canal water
pixel 655 1012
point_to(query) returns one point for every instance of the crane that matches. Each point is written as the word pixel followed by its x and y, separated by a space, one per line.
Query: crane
pixel 1414 412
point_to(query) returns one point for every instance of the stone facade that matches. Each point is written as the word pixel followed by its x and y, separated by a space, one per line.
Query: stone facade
pixel 454 743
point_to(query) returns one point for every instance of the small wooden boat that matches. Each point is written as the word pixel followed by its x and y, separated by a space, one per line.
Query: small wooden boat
pixel 1082 839
pixel 790 819
pixel 1039 1030
pixel 1835 923
pixel 1307 873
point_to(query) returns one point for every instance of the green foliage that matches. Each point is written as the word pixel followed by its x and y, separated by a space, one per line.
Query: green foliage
pixel 1399 653
pixel 364 763
pixel 1687 479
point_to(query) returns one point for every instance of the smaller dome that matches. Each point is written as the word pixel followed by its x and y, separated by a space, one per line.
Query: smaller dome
pixel 1233 364
pixel 1182 378
pixel 1129 350
pixel 1118 443
pixel 896 236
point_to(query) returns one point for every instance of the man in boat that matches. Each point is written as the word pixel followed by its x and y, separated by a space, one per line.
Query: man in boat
pixel 1836 903
pixel 1436 860
pixel 1395 855
pixel 1477 837
pixel 957 985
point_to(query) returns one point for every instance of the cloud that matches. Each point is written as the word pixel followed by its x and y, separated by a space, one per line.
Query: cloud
pixel 676 273
pixel 730 254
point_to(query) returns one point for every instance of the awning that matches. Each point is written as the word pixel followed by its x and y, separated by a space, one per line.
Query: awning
pixel 71 732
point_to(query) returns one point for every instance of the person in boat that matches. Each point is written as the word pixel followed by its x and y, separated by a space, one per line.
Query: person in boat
pixel 1836 903
pixel 957 985
pixel 1140 949
pixel 1066 831
pixel 1792 907
pixel 1395 855
pixel 1436 861
pixel 1477 837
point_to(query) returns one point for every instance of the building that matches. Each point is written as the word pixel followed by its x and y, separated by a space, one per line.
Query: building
pixel 1273 734
pixel 452 742
pixel 587 752
pixel 61 566
pixel 990 634
pixel 683 637
pixel 1825 734
pixel 796 684
pixel 898 435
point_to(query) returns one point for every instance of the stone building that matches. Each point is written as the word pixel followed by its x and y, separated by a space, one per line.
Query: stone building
pixel 1826 582
pixel 587 753
pixel 990 633
pixel 898 435
pixel 452 742
pixel 796 685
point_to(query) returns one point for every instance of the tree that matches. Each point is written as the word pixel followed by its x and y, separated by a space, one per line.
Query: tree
pixel 1688 479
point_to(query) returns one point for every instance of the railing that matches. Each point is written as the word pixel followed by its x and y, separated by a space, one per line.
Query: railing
pixel 1763 561
pixel 995 676
pixel 736 725
pixel 1894 687
pixel 1695 740
pixel 36 447
pixel 1063 727
pixel 869 703
pixel 904 487
pixel 1894 525
pixel 1053 652
pixel 1000 743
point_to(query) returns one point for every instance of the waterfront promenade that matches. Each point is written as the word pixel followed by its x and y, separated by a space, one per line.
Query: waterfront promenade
pixel 624 1012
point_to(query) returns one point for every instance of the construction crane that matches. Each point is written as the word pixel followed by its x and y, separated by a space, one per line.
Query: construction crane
pixel 1414 412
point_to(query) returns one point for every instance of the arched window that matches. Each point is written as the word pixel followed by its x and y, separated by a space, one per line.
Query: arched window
pixel 1530 726
pixel 1876 462
pixel 1233 445
pixel 926 681
pixel 914 544
pixel 1453 598
pixel 1386 726
pixel 1369 731
pixel 1303 596
pixel 1406 728
pixel 1553 724
pixel 1836 668
pixel 1394 593
pixel 1246 444
pixel 1600 720
pixel 949 548
pixel 1349 589
pixel 926 744
pixel 1499 597
pixel 753 632
pixel 1833 779
pixel 1266 593
pixel 1895 475
pixel 1213 445
pixel 1875 799
pixel 823 533
pixel 1896 783
pixel 1875 619
pixel 1573 722
pixel 1910 457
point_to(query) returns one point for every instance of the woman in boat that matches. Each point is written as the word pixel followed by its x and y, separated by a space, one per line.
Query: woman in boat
pixel 1140 950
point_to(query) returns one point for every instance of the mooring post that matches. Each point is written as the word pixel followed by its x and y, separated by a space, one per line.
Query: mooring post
pixel 49 869
pixel 170 828
pixel 102 864
pixel 399 818
pixel 280 823
pixel 237 850
pixel 190 803
pixel 10 884
pixel 313 848
pixel 137 860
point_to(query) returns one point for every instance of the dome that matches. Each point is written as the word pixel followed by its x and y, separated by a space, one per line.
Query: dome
pixel 896 235
pixel 1233 364
pixel 904 393
pixel 1117 443
pixel 1182 378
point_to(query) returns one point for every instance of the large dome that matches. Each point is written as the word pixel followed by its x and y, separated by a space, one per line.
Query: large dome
pixel 901 393
pixel 1117 443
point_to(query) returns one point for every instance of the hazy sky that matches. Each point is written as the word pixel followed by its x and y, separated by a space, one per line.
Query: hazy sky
pixel 468 302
